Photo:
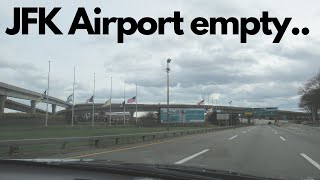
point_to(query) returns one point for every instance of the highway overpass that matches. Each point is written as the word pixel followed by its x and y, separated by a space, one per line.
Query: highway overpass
pixel 7 90
pixel 87 108
pixel 9 104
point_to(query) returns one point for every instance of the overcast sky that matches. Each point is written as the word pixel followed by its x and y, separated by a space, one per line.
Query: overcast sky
pixel 256 74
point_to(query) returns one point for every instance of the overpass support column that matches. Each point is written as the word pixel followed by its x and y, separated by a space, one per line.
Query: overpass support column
pixel 2 103
pixel 54 107
pixel 33 106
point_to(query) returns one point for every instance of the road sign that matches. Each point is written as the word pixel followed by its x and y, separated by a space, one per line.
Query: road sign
pixel 269 111
pixel 247 114
pixel 222 116
pixel 182 115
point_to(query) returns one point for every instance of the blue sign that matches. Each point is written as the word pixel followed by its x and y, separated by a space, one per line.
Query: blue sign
pixel 181 115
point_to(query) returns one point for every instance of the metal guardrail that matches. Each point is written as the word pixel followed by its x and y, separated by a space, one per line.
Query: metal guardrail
pixel 13 145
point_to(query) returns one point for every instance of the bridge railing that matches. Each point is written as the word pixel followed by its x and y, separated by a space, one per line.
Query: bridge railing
pixel 31 148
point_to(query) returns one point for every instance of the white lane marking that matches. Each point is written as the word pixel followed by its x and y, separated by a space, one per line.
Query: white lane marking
pixel 233 137
pixel 191 157
pixel 283 139
pixel 244 132
pixel 275 132
pixel 310 160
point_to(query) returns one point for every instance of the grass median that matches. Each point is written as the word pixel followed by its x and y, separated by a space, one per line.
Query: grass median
pixel 13 133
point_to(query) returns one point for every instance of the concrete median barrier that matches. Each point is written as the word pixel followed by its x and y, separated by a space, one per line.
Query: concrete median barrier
pixel 46 146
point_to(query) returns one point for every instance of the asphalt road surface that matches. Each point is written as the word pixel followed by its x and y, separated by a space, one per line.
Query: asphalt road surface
pixel 287 152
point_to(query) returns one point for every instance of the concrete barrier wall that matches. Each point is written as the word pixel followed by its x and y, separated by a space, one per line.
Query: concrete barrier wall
pixel 54 146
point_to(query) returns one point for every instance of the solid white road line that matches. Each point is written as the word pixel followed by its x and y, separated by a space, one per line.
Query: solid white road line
pixel 283 139
pixel 233 137
pixel 191 157
pixel 244 132
pixel 275 132
pixel 310 160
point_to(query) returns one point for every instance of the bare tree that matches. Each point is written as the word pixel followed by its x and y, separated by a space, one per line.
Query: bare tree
pixel 310 96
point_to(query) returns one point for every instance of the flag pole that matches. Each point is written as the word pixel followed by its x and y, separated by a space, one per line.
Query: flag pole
pixel 94 89
pixel 208 100
pixel 124 105
pixel 204 104
pixel 216 105
pixel 110 102
pixel 74 81
pixel 46 123
pixel 136 104
pixel 212 103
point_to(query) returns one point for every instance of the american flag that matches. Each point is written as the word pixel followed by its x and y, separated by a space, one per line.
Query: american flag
pixel 199 103
pixel 133 99
pixel 70 98
pixel 90 100
pixel 122 104
pixel 42 97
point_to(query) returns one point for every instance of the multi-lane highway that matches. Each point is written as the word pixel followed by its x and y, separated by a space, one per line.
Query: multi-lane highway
pixel 289 152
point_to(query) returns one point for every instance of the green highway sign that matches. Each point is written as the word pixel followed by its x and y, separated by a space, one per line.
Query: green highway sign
pixel 268 111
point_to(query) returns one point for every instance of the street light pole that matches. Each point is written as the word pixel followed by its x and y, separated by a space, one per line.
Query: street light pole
pixel 94 91
pixel 74 81
pixel 136 104
pixel 110 115
pixel 47 96
pixel 124 103
pixel 230 112
pixel 168 70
